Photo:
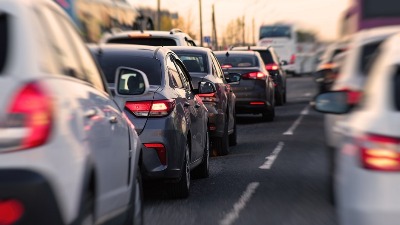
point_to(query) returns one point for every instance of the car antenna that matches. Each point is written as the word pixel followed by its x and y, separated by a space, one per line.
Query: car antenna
pixel 227 54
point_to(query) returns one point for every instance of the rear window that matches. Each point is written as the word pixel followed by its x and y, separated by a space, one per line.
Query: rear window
pixel 144 41
pixel 110 62
pixel 238 60
pixel 196 63
pixel 397 89
pixel 266 57
pixel 3 41
pixel 367 55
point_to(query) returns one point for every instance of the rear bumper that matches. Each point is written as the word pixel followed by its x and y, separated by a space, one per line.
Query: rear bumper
pixel 35 194
pixel 244 106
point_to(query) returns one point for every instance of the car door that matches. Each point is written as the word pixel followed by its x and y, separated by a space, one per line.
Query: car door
pixel 195 110
pixel 105 131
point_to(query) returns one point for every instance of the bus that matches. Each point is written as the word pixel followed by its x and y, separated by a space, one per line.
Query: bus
pixel 284 40
pixel 365 14
pixel 96 17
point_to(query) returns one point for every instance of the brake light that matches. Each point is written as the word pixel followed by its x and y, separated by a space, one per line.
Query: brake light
pixel 157 108
pixel 208 97
pixel 257 103
pixel 271 67
pixel 292 59
pixel 161 151
pixel 353 96
pixel 30 113
pixel 135 35
pixel 326 66
pixel 10 212
pixel 226 66
pixel 380 152
pixel 254 75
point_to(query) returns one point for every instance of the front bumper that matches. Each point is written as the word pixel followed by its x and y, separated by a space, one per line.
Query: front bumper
pixel 35 194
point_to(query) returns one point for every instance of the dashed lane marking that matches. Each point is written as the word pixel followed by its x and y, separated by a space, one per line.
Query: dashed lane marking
pixel 271 158
pixel 296 123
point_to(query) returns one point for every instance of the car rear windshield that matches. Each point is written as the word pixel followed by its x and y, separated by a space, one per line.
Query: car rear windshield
pixel 238 60
pixel 196 63
pixel 3 41
pixel 266 57
pixel 153 41
pixel 275 31
pixel 110 62
pixel 367 56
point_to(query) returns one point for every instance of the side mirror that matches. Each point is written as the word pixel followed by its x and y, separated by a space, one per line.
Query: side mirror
pixel 336 102
pixel 284 63
pixel 129 81
pixel 233 78
pixel 206 87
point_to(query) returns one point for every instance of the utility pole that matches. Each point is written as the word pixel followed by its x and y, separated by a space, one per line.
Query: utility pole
pixel 201 25
pixel 244 28
pixel 214 30
pixel 254 31
pixel 158 15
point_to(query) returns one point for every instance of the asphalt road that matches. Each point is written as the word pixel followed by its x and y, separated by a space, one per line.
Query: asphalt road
pixel 276 175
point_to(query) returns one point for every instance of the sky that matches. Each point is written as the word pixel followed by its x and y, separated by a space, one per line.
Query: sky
pixel 321 16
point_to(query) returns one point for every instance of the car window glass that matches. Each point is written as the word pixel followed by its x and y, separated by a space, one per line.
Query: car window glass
pixel 238 60
pixel 267 57
pixel 220 73
pixel 3 40
pixel 183 75
pixel 196 63
pixel 153 41
pixel 173 72
pixel 367 56
pixel 70 65
pixel 87 62
pixel 397 89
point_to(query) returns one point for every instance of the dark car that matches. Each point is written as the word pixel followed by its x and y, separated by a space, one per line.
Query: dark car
pixel 170 119
pixel 203 66
pixel 274 67
pixel 255 89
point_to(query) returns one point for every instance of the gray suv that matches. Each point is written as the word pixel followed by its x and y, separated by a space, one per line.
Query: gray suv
pixel 174 37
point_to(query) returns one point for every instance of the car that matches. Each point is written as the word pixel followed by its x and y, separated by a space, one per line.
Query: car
pixel 170 119
pixel 203 66
pixel 352 74
pixel 254 86
pixel 274 67
pixel 174 37
pixel 325 74
pixel 367 160
pixel 68 155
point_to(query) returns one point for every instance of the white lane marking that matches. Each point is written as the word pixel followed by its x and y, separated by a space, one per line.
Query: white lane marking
pixel 232 216
pixel 296 123
pixel 271 159
pixel 308 94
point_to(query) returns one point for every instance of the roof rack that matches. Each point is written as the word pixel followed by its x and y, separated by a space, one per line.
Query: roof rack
pixel 175 30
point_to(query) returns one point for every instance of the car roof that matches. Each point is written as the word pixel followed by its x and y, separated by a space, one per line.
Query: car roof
pixel 193 49
pixel 375 34
pixel 133 50
pixel 236 53
pixel 174 33
pixel 254 48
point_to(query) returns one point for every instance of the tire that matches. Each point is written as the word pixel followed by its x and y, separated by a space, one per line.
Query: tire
pixel 136 214
pixel 182 187
pixel 221 144
pixel 202 171
pixel 233 136
pixel 269 115
pixel 87 214
pixel 279 98
pixel 284 97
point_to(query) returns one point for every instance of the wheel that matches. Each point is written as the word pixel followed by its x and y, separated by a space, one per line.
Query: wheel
pixel 284 97
pixel 279 98
pixel 233 136
pixel 269 115
pixel 87 214
pixel 136 214
pixel 202 171
pixel 182 187
pixel 222 143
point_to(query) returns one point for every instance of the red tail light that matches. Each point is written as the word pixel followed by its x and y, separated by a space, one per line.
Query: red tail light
pixel 157 108
pixel 257 103
pixel 353 96
pixel 380 153
pixel 31 113
pixel 226 66
pixel 10 212
pixel 292 59
pixel 161 151
pixel 208 97
pixel 271 67
pixel 254 75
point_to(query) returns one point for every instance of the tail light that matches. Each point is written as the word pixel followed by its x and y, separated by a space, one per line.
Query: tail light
pixel 326 66
pixel 353 96
pixel 292 59
pixel 380 153
pixel 212 97
pixel 10 212
pixel 161 151
pixel 257 103
pixel 30 113
pixel 157 108
pixel 226 66
pixel 271 67
pixel 254 75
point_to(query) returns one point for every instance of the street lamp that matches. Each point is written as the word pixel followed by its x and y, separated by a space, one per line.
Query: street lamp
pixel 201 25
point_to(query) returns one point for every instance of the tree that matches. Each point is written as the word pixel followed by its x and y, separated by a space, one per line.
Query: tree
pixel 233 34
pixel 186 25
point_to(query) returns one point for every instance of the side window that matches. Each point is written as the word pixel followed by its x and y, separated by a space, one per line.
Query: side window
pixel 87 62
pixel 173 74
pixel 69 63
pixel 183 76
pixel 397 89
pixel 218 68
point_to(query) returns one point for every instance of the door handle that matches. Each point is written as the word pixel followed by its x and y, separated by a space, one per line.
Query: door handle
pixel 186 104
pixel 90 113
pixel 113 119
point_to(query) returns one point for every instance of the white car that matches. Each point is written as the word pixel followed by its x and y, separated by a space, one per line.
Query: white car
pixel 68 155
pixel 367 175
